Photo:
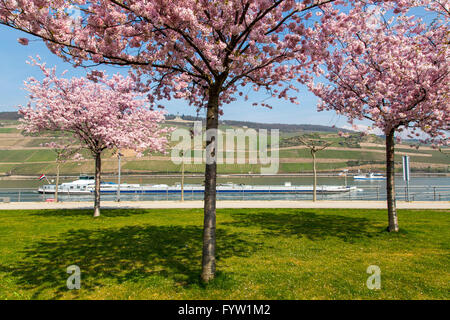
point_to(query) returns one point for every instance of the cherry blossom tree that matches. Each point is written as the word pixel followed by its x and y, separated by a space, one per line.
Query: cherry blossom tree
pixel 206 52
pixel 64 151
pixel 395 73
pixel 103 113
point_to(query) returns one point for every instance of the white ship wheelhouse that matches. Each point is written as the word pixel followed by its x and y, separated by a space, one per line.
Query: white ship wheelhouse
pixel 83 185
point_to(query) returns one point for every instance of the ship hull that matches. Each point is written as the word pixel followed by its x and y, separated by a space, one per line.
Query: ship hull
pixel 200 190
pixel 85 186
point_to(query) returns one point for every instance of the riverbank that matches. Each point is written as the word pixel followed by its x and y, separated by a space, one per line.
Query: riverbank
pixel 249 204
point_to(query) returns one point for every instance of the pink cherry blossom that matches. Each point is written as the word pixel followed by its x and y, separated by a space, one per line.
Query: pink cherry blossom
pixel 108 113
pixel 395 73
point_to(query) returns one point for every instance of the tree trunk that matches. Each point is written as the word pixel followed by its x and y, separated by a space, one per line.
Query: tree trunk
pixel 390 182
pixel 57 181
pixel 315 176
pixel 209 223
pixel 98 170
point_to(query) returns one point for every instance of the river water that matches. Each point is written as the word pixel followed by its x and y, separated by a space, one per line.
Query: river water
pixel 420 188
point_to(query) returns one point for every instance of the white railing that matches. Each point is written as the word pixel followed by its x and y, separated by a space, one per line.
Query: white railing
pixel 369 193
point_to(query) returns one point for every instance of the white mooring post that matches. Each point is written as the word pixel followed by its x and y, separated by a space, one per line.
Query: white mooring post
pixel 118 177
pixel 406 174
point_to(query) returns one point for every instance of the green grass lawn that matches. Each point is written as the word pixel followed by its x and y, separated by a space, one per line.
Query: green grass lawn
pixel 261 254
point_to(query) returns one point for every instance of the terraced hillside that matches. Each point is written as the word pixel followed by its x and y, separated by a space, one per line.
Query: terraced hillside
pixel 24 155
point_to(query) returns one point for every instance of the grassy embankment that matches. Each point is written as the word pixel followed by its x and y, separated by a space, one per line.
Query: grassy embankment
pixel 36 161
pixel 24 155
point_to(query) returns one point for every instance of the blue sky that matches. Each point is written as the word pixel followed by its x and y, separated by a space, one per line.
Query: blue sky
pixel 14 70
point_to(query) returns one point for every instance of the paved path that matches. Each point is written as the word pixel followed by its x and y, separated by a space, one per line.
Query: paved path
pixel 442 205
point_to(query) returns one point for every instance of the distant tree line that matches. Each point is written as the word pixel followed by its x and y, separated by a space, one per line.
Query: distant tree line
pixel 10 115
pixel 256 125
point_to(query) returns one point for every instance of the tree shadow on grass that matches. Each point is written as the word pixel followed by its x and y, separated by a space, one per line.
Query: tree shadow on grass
pixel 105 212
pixel 307 224
pixel 131 253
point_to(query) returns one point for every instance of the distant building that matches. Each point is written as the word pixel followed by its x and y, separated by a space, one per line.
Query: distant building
pixel 179 119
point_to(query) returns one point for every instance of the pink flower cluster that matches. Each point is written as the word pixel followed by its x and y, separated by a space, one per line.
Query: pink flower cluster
pixel 386 71
pixel 101 114
pixel 393 72
pixel 183 47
